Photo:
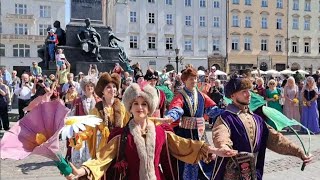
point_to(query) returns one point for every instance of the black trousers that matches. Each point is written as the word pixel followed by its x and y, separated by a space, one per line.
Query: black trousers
pixel 22 104
pixel 4 116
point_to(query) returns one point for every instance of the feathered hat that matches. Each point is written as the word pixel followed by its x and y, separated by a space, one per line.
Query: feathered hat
pixel 105 79
pixel 236 84
pixel 148 92
pixel 87 80
pixel 151 74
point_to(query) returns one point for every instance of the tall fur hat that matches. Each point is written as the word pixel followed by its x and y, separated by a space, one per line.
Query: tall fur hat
pixel 86 80
pixel 236 84
pixel 104 79
pixel 151 74
pixel 148 92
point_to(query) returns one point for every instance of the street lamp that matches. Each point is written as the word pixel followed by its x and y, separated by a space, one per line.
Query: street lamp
pixel 176 50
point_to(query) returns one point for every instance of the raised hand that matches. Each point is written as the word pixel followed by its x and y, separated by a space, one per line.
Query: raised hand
pixel 223 152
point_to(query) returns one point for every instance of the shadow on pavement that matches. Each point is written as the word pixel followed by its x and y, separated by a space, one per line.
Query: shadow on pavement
pixel 25 168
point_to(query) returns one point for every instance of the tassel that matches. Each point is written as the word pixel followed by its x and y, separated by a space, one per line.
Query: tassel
pixel 121 167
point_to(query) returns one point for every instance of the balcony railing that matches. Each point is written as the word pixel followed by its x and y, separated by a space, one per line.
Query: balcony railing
pixel 20 16
pixel 22 37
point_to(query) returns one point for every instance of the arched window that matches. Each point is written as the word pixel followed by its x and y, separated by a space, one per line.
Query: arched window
pixel 2 50
pixel 21 50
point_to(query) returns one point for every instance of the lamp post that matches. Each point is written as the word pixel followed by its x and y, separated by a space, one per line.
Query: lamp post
pixel 176 50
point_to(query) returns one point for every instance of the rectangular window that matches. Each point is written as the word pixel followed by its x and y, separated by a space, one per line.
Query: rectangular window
pixel 307 24
pixel 247 44
pixel 264 23
pixel 295 23
pixel 202 21
pixel 294 47
pixel 21 50
pixel 295 5
pixel 247 2
pixel 306 47
pixel 279 23
pixel 216 44
pixel 216 4
pixel 319 48
pixel 133 42
pixel 235 44
pixel 169 2
pixel 202 44
pixel 133 16
pixel 188 21
pixel 169 42
pixel 169 19
pixel 188 45
pixel 264 3
pixel 151 42
pixel 216 21
pixel 202 3
pixel 248 21
pixel 307 5
pixel 151 1
pixel 235 1
pixel 20 8
pixel 43 29
pixel 45 11
pixel 151 18
pixel 187 2
pixel 2 50
pixel 279 4
pixel 264 45
pixel 235 21
pixel 278 45
pixel 21 29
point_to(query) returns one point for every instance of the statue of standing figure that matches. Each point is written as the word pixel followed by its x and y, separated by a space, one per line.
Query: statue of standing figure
pixel 90 39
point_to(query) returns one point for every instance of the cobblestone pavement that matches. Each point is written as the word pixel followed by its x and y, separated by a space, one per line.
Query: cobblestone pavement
pixel 277 166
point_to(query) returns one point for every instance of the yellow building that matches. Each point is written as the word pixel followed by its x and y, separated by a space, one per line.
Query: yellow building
pixel 256 34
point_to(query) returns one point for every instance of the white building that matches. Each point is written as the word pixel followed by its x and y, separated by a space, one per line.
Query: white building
pixel 153 29
pixel 303 34
pixel 23 28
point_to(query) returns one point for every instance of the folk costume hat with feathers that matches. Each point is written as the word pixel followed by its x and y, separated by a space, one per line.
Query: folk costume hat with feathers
pixel 148 92
pixel 105 79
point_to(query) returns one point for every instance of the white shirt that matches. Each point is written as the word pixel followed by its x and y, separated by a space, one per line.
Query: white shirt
pixel 23 92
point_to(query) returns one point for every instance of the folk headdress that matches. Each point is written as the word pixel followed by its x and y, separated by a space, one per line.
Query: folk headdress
pixel 88 80
pixel 105 79
pixel 148 92
pixel 236 84
pixel 151 74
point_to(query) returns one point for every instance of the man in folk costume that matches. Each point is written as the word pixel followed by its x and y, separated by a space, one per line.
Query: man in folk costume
pixel 142 150
pixel 110 109
pixel 82 106
pixel 189 106
pixel 239 129
pixel 152 78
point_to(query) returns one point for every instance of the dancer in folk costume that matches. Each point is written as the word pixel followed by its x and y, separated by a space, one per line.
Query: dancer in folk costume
pixel 189 106
pixel 143 150
pixel 110 109
pixel 152 77
pixel 240 129
pixel 81 107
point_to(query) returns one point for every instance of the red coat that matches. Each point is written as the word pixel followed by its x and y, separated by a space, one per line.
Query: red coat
pixel 162 156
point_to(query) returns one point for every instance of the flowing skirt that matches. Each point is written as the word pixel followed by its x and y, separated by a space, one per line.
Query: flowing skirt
pixel 310 117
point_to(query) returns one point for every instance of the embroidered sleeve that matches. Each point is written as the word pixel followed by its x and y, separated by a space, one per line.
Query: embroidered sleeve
pixel 187 150
pixel 221 134
pixel 176 108
pixel 208 102
pixel 213 112
pixel 95 168
pixel 280 144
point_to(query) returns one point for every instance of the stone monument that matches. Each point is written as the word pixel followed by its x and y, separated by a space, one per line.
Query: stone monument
pixel 87 38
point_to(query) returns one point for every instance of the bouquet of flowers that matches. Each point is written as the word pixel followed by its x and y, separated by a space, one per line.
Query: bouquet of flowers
pixel 276 97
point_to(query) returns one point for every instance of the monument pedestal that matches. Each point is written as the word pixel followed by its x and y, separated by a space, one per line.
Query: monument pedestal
pixel 102 66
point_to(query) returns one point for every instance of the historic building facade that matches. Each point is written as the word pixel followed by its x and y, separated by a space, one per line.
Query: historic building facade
pixel 303 33
pixel 154 29
pixel 256 33
pixel 23 29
